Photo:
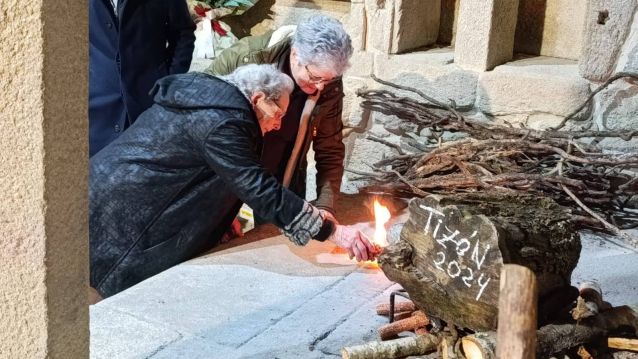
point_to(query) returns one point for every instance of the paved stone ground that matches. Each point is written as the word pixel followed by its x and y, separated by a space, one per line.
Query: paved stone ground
pixel 270 299
pixel 251 298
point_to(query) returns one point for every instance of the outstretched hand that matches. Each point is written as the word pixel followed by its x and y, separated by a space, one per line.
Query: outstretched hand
pixel 355 242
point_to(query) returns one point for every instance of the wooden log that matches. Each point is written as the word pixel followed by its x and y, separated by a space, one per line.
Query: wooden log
pixel 555 338
pixel 584 353
pixel 479 345
pixel 446 347
pixel 403 306
pixel 417 320
pixel 590 301
pixel 451 251
pixel 617 320
pixel 623 344
pixel 391 349
pixel 516 335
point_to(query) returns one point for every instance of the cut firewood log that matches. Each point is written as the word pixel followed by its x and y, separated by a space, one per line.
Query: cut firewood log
pixel 479 345
pixel 451 251
pixel 404 306
pixel 391 349
pixel 623 344
pixel 622 319
pixel 555 338
pixel 590 301
pixel 516 335
pixel 446 347
pixel 583 353
pixel 417 320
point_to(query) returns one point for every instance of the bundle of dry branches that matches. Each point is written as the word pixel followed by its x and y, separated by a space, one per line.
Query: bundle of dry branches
pixel 564 165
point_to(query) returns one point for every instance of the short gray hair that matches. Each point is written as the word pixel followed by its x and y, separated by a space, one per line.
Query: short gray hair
pixel 250 79
pixel 322 41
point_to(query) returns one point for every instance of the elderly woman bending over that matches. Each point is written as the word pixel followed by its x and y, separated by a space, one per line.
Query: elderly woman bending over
pixel 170 186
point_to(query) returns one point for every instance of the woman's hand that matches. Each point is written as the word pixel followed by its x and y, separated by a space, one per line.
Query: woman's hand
pixel 355 242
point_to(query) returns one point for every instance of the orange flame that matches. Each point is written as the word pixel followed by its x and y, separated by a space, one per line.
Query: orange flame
pixel 381 217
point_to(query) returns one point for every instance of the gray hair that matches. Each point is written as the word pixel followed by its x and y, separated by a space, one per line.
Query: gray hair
pixel 250 79
pixel 322 41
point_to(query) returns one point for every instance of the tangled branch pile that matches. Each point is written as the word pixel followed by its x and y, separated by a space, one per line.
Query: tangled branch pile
pixel 564 165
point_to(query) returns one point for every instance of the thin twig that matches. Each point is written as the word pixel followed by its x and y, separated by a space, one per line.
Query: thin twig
pixel 632 241
pixel 387 143
pixel 591 96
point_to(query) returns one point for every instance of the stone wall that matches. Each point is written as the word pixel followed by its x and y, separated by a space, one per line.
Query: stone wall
pixel 550 28
pixel 528 65
pixel 43 177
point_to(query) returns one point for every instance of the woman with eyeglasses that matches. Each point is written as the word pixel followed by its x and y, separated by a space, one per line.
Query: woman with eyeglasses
pixel 170 186
pixel 315 54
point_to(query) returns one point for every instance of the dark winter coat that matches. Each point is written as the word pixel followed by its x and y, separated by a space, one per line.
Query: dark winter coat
pixel 148 40
pixel 325 129
pixel 169 187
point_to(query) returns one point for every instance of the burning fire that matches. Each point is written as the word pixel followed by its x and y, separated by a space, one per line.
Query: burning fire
pixel 381 217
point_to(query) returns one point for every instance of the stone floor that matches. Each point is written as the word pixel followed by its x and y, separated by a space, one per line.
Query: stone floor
pixel 266 298
pixel 251 298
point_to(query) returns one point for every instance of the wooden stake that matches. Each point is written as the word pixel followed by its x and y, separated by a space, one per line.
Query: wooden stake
pixel 623 344
pixel 391 349
pixel 516 335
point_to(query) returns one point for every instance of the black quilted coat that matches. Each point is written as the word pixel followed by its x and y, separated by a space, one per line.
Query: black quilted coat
pixel 169 187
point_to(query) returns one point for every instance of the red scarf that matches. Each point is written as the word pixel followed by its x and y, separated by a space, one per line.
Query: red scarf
pixel 217 27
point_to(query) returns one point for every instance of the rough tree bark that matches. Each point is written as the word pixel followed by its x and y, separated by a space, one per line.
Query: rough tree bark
pixel 452 248
pixel 516 335
pixel 390 349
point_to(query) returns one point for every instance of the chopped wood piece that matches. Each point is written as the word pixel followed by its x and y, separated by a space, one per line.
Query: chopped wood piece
pixel 402 315
pixel 583 353
pixel 622 318
pixel 417 320
pixel 516 336
pixel 555 338
pixel 391 349
pixel 446 347
pixel 403 306
pixel 623 344
pixel 479 345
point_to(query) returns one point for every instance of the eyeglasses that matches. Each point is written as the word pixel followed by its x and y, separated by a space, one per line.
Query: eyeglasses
pixel 278 107
pixel 316 79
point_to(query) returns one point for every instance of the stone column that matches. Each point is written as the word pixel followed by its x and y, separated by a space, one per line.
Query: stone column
pixel 485 33
pixel 395 26
pixel 607 25
pixel 43 177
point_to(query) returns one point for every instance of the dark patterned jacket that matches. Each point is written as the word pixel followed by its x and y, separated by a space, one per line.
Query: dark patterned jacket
pixel 170 186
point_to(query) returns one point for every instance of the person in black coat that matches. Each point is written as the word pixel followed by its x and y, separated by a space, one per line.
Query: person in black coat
pixel 132 44
pixel 169 187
